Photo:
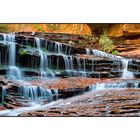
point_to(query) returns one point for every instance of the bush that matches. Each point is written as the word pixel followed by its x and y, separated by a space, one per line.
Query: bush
pixel 22 52
pixel 52 27
pixel 4 28
pixel 39 28
pixel 106 44
pixel 115 52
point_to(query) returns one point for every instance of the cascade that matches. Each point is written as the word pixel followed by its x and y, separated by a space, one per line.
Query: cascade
pixel 35 93
pixel 69 66
pixel 75 65
pixel 104 54
pixel 87 51
pixel 126 73
pixel 45 72
pixel 13 71
pixel 116 85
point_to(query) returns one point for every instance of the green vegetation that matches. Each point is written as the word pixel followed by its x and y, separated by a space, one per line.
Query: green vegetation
pixel 22 52
pixel 52 27
pixel 106 44
pixel 4 28
pixel 44 49
pixel 39 28
pixel 89 38
pixel 71 43
pixel 115 52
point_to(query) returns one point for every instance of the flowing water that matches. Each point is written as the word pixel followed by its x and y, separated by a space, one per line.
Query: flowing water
pixel 73 65
pixel 126 74
pixel 43 60
pixel 36 93
pixel 13 71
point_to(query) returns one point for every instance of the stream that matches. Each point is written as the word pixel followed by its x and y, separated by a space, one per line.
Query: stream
pixel 32 65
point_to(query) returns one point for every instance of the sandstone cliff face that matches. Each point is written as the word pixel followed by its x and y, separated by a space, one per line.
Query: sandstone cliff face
pixel 130 34
pixel 116 30
pixel 126 36
pixel 52 28
pixel 124 30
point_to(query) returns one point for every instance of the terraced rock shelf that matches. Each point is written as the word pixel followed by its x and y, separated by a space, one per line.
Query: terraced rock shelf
pixel 64 75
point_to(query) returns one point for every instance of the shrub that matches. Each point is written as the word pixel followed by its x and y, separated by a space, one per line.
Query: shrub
pixel 106 44
pixel 52 27
pixel 39 28
pixel 22 52
pixel 4 28
pixel 115 52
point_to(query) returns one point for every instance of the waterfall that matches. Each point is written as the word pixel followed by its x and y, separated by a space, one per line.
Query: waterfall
pixel 87 51
pixel 33 107
pixel 9 37
pixel 80 69
pixel 13 71
pixel 12 54
pixel 58 48
pixel 117 85
pixel 126 73
pixel 35 93
pixel 66 61
pixel 104 54
pixel 78 63
pixel 3 93
pixel 43 61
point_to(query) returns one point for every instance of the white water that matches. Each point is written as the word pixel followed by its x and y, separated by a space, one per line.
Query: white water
pixel 117 85
pixel 126 74
pixel 35 93
pixel 87 51
pixel 13 71
pixel 80 71
pixel 45 72
pixel 33 107
pixel 59 103
pixel 102 54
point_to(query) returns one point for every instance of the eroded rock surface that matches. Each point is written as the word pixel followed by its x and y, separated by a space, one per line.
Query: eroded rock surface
pixel 123 102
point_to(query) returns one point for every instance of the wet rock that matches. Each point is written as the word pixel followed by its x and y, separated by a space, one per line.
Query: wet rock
pixel 109 103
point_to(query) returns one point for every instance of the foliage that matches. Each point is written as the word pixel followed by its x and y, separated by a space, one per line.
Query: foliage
pixel 52 27
pixel 22 52
pixel 39 28
pixel 4 28
pixel 71 42
pixel 44 49
pixel 106 44
pixel 90 38
pixel 115 52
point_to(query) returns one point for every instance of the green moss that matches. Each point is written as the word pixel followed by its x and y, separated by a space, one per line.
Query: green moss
pixel 22 52
pixel 4 28
pixel 115 52
pixel 52 27
pixel 89 38
pixel 39 28
pixel 44 49
pixel 106 44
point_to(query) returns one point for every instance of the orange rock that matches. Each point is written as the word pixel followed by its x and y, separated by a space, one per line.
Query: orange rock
pixel 82 29
pixel 124 30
